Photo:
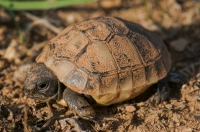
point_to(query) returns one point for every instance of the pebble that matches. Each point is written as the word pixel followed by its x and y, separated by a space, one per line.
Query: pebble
pixel 2 64
pixel 130 108
pixel 10 53
pixel 141 104
pixel 179 44
pixel 188 130
pixel 107 4
pixel 169 106
pixel 68 122
pixel 171 124
pixel 20 73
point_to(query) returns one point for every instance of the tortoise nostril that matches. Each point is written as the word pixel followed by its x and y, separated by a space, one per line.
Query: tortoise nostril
pixel 30 88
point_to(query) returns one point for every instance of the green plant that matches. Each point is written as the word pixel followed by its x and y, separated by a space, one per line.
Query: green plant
pixel 38 4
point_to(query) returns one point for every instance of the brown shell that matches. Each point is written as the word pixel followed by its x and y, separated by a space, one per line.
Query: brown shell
pixel 108 58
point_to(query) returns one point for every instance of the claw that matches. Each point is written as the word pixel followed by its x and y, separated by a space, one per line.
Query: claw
pixel 94 119
pixel 162 93
pixel 176 77
pixel 185 74
pixel 196 94
pixel 154 100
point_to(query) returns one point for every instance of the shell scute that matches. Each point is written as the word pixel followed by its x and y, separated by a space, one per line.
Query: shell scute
pixel 62 68
pixel 108 84
pixel 92 86
pixel 97 58
pixel 125 82
pixel 151 74
pixel 145 48
pixel 114 25
pixel 44 55
pixel 76 80
pixel 70 45
pixel 85 25
pixel 160 69
pixel 124 52
pixel 99 32
pixel 62 33
pixel 139 77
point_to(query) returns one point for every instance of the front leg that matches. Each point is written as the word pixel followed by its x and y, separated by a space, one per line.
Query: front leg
pixel 79 104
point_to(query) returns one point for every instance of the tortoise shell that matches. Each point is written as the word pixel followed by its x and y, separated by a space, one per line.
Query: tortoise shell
pixel 108 58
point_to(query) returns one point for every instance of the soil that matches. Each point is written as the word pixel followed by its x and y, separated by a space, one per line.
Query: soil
pixel 24 33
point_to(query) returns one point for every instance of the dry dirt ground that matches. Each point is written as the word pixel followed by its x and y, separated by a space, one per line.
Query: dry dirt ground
pixel 23 35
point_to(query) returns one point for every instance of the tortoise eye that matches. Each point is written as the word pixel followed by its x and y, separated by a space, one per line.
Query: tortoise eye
pixel 43 85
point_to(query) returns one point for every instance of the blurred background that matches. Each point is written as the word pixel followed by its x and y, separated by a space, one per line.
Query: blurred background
pixel 26 25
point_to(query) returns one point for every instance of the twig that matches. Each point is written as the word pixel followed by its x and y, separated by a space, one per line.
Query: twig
pixel 50 108
pixel 93 127
pixel 36 20
pixel 51 119
pixel 26 118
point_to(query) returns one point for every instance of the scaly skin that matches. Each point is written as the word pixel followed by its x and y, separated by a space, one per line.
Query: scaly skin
pixel 78 103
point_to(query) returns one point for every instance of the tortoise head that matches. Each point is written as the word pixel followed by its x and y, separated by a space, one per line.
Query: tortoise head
pixel 41 83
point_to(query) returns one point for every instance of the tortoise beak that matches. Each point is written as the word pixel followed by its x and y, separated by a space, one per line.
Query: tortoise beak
pixel 43 98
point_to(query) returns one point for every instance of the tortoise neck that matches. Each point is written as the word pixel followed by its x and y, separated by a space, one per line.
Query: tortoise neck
pixel 59 92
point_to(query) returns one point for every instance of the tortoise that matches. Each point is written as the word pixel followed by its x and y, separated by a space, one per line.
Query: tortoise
pixel 106 59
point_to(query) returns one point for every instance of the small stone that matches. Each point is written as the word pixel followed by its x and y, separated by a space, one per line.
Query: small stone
pixel 181 107
pixel 11 52
pixel 71 124
pixel 191 109
pixel 130 108
pixel 178 124
pixel 141 104
pixel 169 106
pixel 63 123
pixel 188 130
pixel 70 18
pixel 2 63
pixel 171 124
pixel 179 44
pixel 20 73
